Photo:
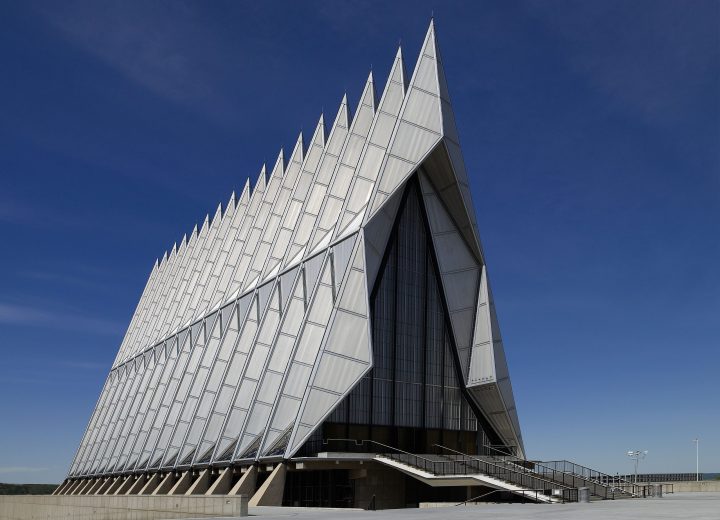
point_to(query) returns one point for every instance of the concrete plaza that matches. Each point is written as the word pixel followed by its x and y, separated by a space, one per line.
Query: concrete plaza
pixel 695 506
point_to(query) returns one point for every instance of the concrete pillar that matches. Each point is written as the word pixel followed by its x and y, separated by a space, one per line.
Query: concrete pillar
pixel 151 484
pixel 201 484
pixel 221 486
pixel 64 489
pixel 138 485
pixel 59 489
pixel 119 481
pixel 246 484
pixel 111 481
pixel 182 484
pixel 81 485
pixel 97 485
pixel 127 484
pixel 271 491
pixel 86 488
pixel 105 486
pixel 116 484
pixel 76 484
pixel 165 485
pixel 583 495
pixel 73 486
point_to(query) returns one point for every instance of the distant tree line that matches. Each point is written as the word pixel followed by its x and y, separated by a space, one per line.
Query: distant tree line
pixel 26 489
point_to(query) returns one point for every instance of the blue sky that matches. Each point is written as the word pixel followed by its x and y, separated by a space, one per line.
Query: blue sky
pixel 591 131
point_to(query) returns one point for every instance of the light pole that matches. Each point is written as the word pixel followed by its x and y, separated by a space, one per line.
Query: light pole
pixel 636 455
pixel 697 459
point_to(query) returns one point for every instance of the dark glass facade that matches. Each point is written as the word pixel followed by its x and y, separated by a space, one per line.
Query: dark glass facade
pixel 413 398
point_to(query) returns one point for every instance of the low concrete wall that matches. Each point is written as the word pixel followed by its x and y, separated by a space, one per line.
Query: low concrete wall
pixel 434 505
pixel 134 507
pixel 691 487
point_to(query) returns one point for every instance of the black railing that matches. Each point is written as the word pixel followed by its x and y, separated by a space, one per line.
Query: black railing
pixel 585 477
pixel 647 490
pixel 572 495
pixel 660 477
pixel 554 477
pixel 585 472
pixel 616 486
pixel 459 464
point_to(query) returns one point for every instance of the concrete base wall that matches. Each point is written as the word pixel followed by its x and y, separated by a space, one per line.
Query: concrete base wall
pixel 56 507
pixel 221 486
pixel 271 491
pixel 692 487
pixel 385 484
pixel 246 484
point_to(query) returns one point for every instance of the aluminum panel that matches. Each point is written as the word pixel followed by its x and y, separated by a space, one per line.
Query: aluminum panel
pixel 195 403
pixel 440 221
pixel 312 270
pixel 341 183
pixel 281 353
pixel 422 109
pixel 385 123
pixel 318 403
pixel 354 296
pixel 337 373
pixel 341 257
pixel 322 305
pixel 453 254
pixel 390 104
pixel 297 380
pixel 354 148
pixel 349 337
pixel 309 343
pixel 425 76
pixel 412 143
pixel 329 219
pixel 460 289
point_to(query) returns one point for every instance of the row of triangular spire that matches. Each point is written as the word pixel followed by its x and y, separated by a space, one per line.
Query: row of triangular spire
pixel 307 160
pixel 263 177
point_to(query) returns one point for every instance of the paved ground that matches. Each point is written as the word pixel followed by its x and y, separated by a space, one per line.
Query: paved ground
pixel 695 506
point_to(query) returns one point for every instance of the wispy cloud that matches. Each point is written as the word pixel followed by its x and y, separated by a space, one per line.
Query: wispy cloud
pixel 84 365
pixel 160 46
pixel 65 279
pixel 341 15
pixel 11 211
pixel 14 314
pixel 654 62
pixel 21 469
pixel 17 211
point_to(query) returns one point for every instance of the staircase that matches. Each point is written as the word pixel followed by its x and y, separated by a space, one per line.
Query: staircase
pixel 463 470
pixel 616 486
pixel 600 485
pixel 546 482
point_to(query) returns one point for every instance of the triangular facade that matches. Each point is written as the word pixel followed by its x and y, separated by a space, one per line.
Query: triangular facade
pixel 269 328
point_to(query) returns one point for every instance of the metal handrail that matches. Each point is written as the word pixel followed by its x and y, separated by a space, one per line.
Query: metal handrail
pixel 524 491
pixel 363 441
pixel 415 455
pixel 593 475
pixel 429 461
pixel 519 475
pixel 555 476
pixel 588 479
pixel 545 463
pixel 604 477
pixel 480 496
pixel 521 469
